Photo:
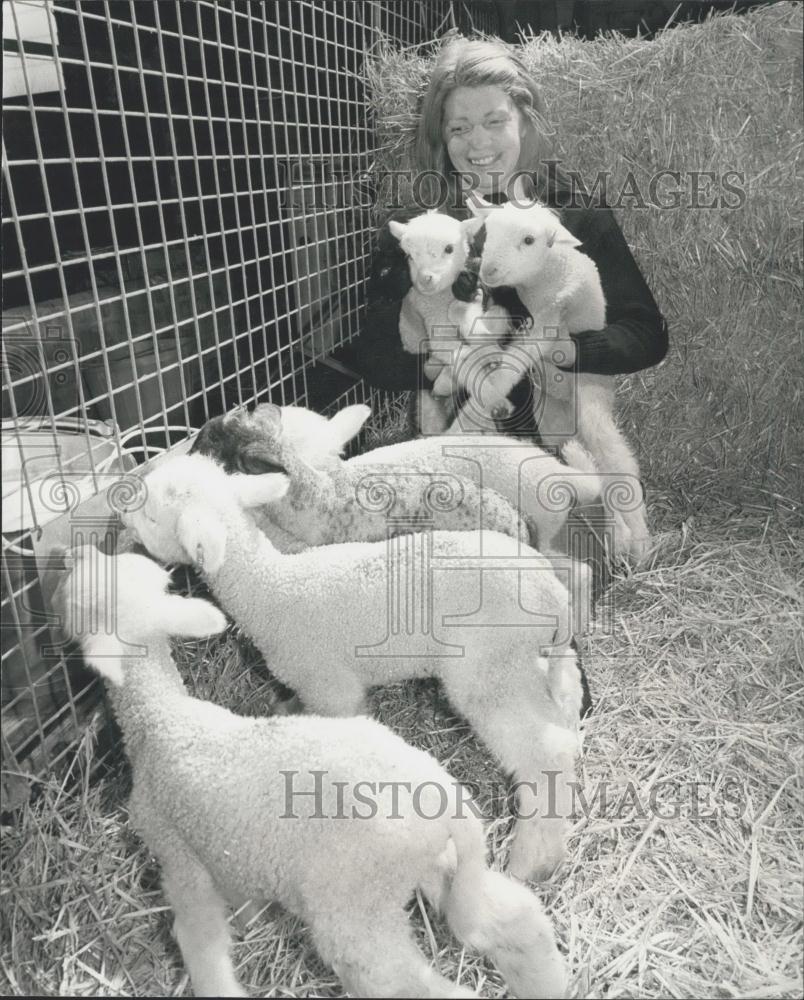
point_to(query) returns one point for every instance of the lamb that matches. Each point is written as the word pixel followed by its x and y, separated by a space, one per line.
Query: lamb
pixel 434 322
pixel 351 501
pixel 344 502
pixel 533 481
pixel 222 802
pixel 528 249
pixel 494 626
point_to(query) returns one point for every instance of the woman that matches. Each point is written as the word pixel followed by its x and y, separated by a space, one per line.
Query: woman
pixel 482 123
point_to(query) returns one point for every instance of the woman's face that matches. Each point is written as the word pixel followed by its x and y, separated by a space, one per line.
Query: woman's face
pixel 482 131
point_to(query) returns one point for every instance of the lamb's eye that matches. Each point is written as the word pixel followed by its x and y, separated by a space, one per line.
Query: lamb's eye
pixel 529 241
pixel 449 248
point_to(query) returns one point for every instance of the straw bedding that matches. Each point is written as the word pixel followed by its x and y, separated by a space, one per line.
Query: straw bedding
pixel 686 879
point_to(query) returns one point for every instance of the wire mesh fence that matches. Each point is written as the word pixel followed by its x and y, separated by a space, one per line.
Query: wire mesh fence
pixel 181 235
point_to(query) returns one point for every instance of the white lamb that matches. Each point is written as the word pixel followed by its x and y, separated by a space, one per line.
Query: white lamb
pixel 211 798
pixel 345 502
pixel 330 626
pixel 433 322
pixel 528 249
pixel 535 483
pixel 340 501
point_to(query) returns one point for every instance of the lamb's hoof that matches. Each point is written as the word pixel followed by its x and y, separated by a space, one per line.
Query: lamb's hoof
pixel 502 411
pixel 289 706
pixel 522 864
pixel 633 554
pixel 533 873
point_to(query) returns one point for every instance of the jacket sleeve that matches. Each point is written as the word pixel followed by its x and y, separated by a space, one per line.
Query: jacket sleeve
pixel 377 353
pixel 635 336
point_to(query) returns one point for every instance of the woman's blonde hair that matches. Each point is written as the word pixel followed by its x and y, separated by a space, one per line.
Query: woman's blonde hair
pixel 465 62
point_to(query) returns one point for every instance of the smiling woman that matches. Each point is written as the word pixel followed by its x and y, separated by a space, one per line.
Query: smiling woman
pixel 482 126
pixel 482 133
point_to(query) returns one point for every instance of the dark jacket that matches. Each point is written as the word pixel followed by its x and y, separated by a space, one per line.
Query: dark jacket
pixel 635 336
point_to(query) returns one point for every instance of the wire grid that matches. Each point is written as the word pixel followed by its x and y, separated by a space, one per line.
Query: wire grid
pixel 178 239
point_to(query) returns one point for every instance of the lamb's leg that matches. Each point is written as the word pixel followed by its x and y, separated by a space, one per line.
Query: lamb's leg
pixel 371 949
pixel 432 414
pixel 577 578
pixel 338 694
pixel 201 927
pixel 544 798
pixel 614 458
pixel 519 730
pixel 495 915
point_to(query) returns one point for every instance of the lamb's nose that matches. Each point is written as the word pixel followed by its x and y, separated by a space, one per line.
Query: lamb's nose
pixel 489 271
pixel 427 279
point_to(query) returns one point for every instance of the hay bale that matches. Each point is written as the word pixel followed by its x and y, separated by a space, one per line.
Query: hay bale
pixel 716 424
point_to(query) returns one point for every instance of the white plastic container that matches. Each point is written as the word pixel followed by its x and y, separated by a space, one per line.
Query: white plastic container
pixel 47 471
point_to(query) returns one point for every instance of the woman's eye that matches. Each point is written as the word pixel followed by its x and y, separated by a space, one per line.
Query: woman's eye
pixel 529 241
pixel 449 248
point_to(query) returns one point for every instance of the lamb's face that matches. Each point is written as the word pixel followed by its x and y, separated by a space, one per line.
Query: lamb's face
pixel 436 247
pixel 180 485
pixel 115 606
pixel 518 243
pixel 155 525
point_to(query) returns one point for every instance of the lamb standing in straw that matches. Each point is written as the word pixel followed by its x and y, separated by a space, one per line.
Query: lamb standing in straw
pixel 488 617
pixel 211 799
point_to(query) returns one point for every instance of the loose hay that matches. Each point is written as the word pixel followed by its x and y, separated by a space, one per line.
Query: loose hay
pixel 706 688
pixel 700 680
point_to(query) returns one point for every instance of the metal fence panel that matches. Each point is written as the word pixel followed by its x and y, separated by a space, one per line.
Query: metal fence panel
pixel 175 243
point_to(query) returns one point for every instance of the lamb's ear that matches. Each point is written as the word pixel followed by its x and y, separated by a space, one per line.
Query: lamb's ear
pixel 61 558
pixel 398 229
pixel 203 537
pixel 190 616
pixel 235 414
pixel 558 234
pixel 269 415
pixel 104 653
pixel 471 227
pixel 347 423
pixel 256 491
